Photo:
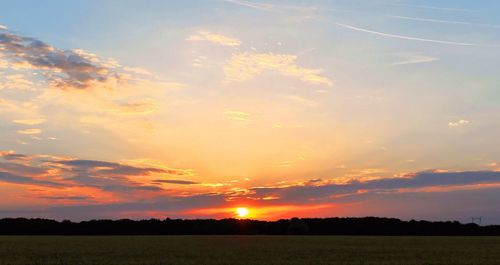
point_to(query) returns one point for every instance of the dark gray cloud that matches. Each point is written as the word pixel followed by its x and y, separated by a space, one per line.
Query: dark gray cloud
pixel 169 206
pixel 418 180
pixel 107 176
pixel 176 181
pixel 12 156
pixel 21 169
pixel 109 168
pixel 70 198
pixel 11 178
pixel 122 180
pixel 65 68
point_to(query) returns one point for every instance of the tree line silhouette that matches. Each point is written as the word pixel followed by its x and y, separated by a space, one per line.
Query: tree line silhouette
pixel 294 226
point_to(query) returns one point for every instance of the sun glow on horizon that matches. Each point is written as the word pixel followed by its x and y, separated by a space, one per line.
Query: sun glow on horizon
pixel 242 212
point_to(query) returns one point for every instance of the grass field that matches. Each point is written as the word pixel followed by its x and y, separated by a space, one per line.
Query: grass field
pixel 208 250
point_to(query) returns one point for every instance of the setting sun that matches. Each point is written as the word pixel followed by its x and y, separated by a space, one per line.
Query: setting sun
pixel 242 212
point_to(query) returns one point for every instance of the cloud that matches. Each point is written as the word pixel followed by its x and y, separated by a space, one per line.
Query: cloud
pixel 136 191
pixel 458 123
pixel 15 81
pixel 11 178
pixel 138 70
pixel 169 205
pixel 403 37
pixel 67 69
pixel 66 198
pixel 118 179
pixel 245 66
pixel 11 155
pixel 2 27
pixel 176 181
pixel 110 168
pixel 303 101
pixel 357 188
pixel 237 115
pixel 111 176
pixel 29 131
pixel 416 59
pixel 218 39
pixel 140 107
pixel 29 121
pixel 20 168
pixel 158 208
pixel 315 192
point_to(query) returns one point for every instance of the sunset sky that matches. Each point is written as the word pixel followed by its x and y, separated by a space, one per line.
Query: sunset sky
pixel 191 109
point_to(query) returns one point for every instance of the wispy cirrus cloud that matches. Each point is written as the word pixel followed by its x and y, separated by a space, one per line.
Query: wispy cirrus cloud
pixel 215 38
pixel 245 66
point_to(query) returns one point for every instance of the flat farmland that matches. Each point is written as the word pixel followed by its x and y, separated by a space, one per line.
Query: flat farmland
pixel 124 250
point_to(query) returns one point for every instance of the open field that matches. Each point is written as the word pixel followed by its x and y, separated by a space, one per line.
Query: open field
pixel 123 250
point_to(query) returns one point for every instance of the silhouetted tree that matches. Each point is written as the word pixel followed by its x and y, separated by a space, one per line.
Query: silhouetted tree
pixel 294 226
pixel 297 227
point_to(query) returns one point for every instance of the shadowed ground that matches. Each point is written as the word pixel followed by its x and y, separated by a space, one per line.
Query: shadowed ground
pixel 316 250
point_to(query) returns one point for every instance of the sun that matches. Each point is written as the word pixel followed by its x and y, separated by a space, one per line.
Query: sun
pixel 242 212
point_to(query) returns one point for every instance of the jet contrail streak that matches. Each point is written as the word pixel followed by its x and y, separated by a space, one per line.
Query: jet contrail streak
pixel 409 37
pixel 446 21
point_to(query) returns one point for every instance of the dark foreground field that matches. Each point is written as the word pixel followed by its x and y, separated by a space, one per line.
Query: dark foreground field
pixel 208 250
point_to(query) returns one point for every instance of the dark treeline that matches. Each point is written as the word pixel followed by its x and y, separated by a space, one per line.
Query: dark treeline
pixel 305 226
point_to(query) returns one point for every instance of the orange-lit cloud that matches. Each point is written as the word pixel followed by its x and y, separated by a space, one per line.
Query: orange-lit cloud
pixel 114 186
pixel 237 115
pixel 458 123
pixel 245 66
pixel 214 38
pixel 30 131
pixel 15 81
pixel 29 121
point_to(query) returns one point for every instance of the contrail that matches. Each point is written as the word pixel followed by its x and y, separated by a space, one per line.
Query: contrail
pixel 411 38
pixel 446 21
pixel 438 8
pixel 266 7
pixel 416 60
pixel 271 7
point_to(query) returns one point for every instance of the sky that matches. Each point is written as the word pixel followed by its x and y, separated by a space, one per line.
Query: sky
pixel 191 109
